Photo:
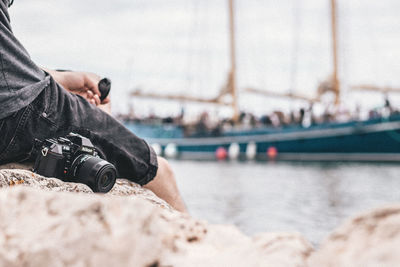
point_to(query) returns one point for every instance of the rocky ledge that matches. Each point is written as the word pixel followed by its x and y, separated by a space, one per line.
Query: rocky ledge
pixel 46 222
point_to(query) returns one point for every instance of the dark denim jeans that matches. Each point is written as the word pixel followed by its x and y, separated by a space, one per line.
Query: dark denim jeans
pixel 56 112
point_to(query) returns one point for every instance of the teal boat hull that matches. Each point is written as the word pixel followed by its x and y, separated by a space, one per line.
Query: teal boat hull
pixel 371 140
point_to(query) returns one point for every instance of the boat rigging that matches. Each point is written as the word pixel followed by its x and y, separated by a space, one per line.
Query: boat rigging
pixel 228 91
pixel 374 139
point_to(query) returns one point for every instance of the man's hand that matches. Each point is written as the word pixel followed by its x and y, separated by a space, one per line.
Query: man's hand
pixel 84 84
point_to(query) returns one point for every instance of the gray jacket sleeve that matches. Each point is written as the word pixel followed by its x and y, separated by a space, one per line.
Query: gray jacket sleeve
pixel 21 80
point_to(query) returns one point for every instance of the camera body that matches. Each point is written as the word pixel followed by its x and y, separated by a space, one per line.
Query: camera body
pixel 74 159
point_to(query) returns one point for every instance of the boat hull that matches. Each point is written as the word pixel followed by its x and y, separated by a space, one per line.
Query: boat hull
pixel 374 140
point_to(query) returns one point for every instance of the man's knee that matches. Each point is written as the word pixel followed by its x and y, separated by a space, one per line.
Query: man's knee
pixel 164 168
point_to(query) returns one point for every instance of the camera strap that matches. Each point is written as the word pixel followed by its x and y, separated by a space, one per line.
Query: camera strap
pixel 37 147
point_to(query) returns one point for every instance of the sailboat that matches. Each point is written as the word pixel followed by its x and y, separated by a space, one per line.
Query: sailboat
pixel 369 140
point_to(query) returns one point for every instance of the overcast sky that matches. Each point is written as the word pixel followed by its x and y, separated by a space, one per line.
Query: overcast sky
pixel 181 46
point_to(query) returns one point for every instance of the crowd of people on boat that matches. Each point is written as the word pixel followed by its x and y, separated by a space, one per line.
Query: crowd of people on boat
pixel 303 117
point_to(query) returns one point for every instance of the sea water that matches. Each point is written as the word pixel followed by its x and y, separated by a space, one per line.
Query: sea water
pixel 310 198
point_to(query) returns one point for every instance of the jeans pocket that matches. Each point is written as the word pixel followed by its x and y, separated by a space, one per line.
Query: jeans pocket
pixel 7 131
pixel 43 105
pixel 11 128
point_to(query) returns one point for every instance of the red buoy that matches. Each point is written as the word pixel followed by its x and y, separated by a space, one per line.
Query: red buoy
pixel 272 152
pixel 221 153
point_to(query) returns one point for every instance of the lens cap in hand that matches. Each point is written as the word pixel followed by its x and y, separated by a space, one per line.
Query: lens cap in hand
pixel 104 88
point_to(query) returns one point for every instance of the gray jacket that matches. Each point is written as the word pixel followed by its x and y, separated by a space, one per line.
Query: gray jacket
pixel 21 80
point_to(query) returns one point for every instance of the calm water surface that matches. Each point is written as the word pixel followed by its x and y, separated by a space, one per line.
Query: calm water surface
pixel 311 198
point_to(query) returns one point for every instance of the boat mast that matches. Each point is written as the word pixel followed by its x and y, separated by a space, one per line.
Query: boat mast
pixel 232 74
pixel 335 80
pixel 228 89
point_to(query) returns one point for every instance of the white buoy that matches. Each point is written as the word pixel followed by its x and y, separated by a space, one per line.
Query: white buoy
pixel 234 151
pixel 251 150
pixel 157 148
pixel 171 150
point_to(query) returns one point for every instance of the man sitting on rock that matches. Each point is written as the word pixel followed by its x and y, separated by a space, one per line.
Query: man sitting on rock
pixel 37 103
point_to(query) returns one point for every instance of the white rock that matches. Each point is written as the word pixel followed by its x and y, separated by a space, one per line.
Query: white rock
pixel 78 228
pixel 130 226
pixel 369 240
pixel 224 245
pixel 40 228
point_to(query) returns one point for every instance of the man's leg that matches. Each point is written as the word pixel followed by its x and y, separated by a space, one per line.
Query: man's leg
pixel 56 112
pixel 132 156
pixel 164 186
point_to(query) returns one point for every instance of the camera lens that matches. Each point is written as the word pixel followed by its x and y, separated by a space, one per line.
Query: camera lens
pixel 106 177
pixel 98 174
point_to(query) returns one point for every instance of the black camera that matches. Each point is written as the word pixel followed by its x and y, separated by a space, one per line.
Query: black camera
pixel 74 159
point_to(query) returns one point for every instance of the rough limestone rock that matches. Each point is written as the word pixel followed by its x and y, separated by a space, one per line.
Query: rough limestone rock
pixel 224 245
pixel 46 222
pixel 129 226
pixel 368 240
pixel 11 177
